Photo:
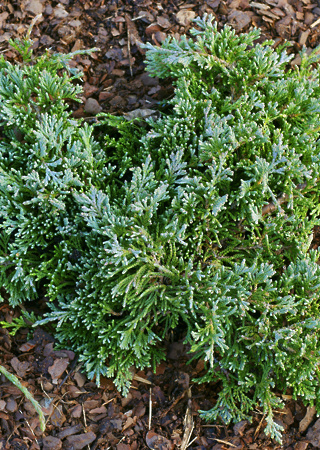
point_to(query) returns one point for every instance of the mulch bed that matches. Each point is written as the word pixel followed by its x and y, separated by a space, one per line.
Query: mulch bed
pixel 161 410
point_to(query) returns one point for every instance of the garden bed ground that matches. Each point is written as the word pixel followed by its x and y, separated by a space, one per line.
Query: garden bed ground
pixel 80 415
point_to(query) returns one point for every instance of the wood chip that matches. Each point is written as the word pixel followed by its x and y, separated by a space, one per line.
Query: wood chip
pixel 163 22
pixel 304 36
pixel 260 5
pixel 269 14
pixel 184 17
pixel 296 61
pixel 313 434
pixel 278 12
pixel 187 5
pixel 239 19
pixel 267 19
pixel 51 443
pixel 3 18
pixel 79 441
pixel 34 7
pixel 308 418
pixel 57 369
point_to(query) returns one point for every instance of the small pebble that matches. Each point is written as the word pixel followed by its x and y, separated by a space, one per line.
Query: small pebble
pixel 11 405
pixel 92 106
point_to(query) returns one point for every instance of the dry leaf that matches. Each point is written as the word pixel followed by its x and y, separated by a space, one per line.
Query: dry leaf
pixel 20 368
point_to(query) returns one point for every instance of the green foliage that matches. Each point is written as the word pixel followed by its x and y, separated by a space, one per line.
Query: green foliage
pixel 202 219
pixel 11 377
pixel 25 320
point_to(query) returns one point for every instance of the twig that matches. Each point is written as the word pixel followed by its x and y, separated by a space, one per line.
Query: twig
pixel 188 423
pixel 110 400
pixel 32 24
pixel 150 408
pixel 259 426
pixel 225 442
pixel 283 198
pixel 55 405
pixel 143 380
pixel 314 24
pixel 128 45
pixel 192 441
pixel 6 351
pixel 165 412
pixel 85 422
pixel 84 417
pixel 35 437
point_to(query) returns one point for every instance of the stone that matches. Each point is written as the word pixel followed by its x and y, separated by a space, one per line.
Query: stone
pixel 92 106
pixel 11 405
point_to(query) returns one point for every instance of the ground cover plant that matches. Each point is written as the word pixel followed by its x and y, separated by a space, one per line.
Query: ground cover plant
pixel 203 220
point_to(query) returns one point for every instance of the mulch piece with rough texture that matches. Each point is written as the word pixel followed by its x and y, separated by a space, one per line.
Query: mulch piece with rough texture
pixel 161 410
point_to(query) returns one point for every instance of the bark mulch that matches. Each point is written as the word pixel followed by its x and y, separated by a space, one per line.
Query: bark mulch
pixel 161 410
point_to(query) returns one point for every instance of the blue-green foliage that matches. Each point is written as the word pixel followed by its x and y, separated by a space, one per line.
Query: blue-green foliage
pixel 205 219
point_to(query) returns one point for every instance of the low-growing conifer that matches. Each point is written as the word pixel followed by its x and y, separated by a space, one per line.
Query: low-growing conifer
pixel 202 219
